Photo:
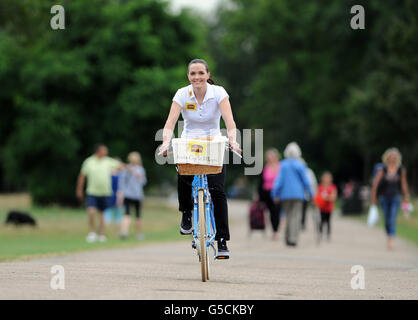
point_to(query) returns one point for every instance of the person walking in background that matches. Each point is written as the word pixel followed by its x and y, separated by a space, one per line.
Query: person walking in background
pixel 314 186
pixel 97 169
pixel 388 184
pixel 115 210
pixel 267 177
pixel 325 200
pixel 132 181
pixel 289 188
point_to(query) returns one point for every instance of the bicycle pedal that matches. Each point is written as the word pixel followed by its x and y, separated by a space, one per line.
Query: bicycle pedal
pixel 222 257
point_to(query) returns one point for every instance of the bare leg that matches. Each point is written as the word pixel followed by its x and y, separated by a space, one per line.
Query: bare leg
pixel 91 211
pixel 391 242
pixel 125 225
pixel 139 234
pixel 101 223
pixel 138 225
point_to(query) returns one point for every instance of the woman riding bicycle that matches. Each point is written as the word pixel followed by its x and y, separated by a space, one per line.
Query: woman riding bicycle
pixel 202 104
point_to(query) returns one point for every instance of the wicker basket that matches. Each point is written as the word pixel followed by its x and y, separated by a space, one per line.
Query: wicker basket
pixel 199 155
pixel 188 169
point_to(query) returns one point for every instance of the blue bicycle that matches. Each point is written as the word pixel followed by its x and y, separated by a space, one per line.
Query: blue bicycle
pixel 204 227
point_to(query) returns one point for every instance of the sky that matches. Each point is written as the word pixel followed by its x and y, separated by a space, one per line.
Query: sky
pixel 205 6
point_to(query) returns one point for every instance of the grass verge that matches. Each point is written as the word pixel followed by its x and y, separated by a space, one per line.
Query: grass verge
pixel 63 230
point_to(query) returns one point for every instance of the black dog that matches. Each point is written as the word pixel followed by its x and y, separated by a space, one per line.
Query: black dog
pixel 20 218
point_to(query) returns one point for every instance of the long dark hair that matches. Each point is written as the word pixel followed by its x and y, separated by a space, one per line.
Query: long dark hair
pixel 210 80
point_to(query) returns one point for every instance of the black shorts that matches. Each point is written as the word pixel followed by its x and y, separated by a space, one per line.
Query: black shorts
pixel 136 203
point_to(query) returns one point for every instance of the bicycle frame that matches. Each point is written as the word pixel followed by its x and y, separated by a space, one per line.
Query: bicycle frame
pixel 200 182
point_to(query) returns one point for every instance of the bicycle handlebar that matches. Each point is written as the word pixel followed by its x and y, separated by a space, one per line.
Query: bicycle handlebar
pixel 227 147
pixel 165 150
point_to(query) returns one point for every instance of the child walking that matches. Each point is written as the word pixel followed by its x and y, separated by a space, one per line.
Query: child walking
pixel 325 200
pixel 132 181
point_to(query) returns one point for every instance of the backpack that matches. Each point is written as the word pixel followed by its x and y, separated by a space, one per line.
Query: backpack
pixel 257 219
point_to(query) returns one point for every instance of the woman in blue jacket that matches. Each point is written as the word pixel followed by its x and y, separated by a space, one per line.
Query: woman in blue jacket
pixel 289 188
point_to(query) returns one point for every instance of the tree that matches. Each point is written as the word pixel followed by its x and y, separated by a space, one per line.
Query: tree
pixel 297 70
pixel 108 77
pixel 384 106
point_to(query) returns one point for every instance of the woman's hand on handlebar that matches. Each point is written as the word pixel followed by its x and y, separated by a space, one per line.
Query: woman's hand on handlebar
pixel 234 145
pixel 163 149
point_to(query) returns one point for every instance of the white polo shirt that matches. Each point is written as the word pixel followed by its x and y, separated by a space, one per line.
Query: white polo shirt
pixel 200 120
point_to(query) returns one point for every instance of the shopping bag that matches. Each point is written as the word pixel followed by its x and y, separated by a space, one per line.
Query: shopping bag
pixel 373 216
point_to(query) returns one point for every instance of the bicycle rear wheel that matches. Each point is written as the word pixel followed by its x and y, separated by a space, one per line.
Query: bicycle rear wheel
pixel 202 239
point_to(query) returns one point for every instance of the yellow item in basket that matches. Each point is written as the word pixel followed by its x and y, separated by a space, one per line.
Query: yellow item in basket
pixel 197 148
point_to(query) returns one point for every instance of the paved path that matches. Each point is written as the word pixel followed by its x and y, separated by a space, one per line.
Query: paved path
pixel 259 269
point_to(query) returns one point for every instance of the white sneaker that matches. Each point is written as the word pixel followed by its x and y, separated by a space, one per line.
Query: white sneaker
pixel 102 238
pixel 91 237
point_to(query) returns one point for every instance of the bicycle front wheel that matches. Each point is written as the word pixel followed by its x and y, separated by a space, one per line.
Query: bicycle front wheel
pixel 202 239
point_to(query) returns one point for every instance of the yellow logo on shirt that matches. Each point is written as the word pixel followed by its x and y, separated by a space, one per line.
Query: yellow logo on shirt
pixel 197 148
pixel 191 106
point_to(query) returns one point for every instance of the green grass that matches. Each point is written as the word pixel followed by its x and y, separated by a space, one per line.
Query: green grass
pixel 63 230
pixel 406 228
